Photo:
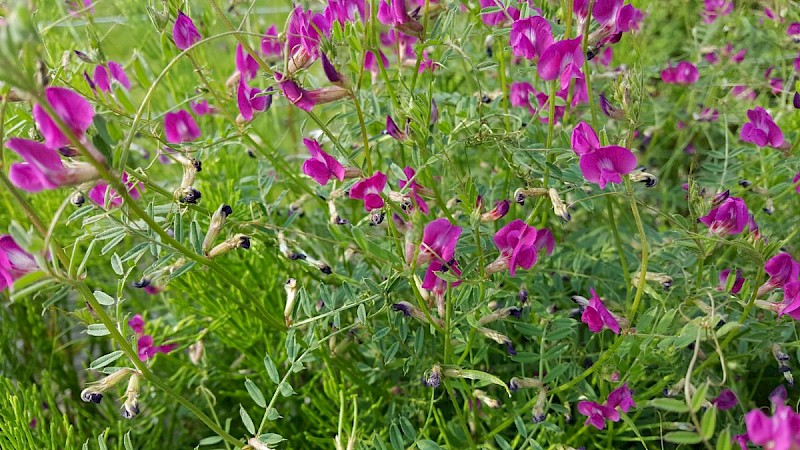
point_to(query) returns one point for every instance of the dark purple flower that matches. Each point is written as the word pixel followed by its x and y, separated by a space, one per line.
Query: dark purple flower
pixel 184 33
pixel 321 166
pixel 725 400
pixel 369 190
pixel 621 397
pixel 180 127
pixel 731 217
pixel 71 108
pixel 761 130
pixel 597 316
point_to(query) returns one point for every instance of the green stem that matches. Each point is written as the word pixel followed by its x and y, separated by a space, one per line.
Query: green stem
pixel 623 261
pixel 643 240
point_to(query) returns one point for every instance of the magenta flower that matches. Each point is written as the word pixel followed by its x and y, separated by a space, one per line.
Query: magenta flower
pixel 791 300
pixel 184 33
pixel 180 127
pixel 344 11
pixel 14 262
pixel 369 190
pixel 530 37
pixel 415 189
pixel 144 343
pixel 684 73
pixel 43 168
pixel 494 19
pixel 597 414
pixel 321 166
pixel 615 18
pixel 761 130
pixel 270 45
pixel 782 269
pixel 371 62
pixel 715 9
pixel 520 95
pixel 201 108
pixel 246 65
pixel 545 240
pixel 793 29
pixel 779 432
pixel 517 244
pixel 250 99
pixel 118 73
pixel 607 165
pixel 584 139
pixel 562 60
pixel 621 397
pixel 297 95
pixel 725 400
pixel 597 316
pixel 743 92
pixel 303 38
pixel 101 80
pixel 76 6
pixel 395 15
pixel 737 284
pixel 439 241
pixel 435 284
pixel 731 217
pixel 71 108
pixel 395 132
pixel 103 190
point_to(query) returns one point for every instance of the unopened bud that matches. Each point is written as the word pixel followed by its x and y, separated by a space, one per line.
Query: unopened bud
pixel 499 211
pixel 610 110
pixel 517 383
pixel 291 296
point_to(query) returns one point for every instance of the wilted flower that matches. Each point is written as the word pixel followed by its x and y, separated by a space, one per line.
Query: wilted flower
pixel 14 262
pixel 184 33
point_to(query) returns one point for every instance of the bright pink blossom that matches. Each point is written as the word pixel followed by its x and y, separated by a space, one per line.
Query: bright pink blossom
pixel 145 342
pixel 14 262
pixel 597 316
pixel 201 108
pixel 184 33
pixel 344 11
pixel 180 127
pixel 607 165
pixel 369 190
pixel 729 218
pixel 791 300
pixel 761 130
pixel 102 191
pixel 584 139
pixel 270 45
pixel 684 73
pixel 517 244
pixel 393 13
pixel 737 283
pixel 415 189
pixel 530 37
pixel 779 432
pixel 76 113
pixel 597 414
pixel 43 168
pixel 435 284
pixel 371 62
pixel 782 269
pixel 250 99
pixel 715 9
pixel 621 398
pixel 321 166
pixel 246 65
pixel 562 60
pixel 496 18
pixel 438 241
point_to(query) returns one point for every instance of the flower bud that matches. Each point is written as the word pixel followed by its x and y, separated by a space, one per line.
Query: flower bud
pixel 499 211
pixel 410 310
pixel 291 296
pixel 215 226
pixel 131 406
pixel 237 241
pixel 94 392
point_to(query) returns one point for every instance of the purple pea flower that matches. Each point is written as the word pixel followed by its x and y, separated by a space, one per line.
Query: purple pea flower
pixel 43 168
pixel 737 284
pixel 395 132
pixel 303 38
pixel 530 37
pixel 270 45
pixel 796 100
pixel 246 65
pixel 137 324
pixel 562 60
pixel 607 165
pixel 184 33
pixel 520 95
pixel 725 400
pixel 144 343
pixel 306 100
pixel 321 166
pixel 494 19
pixel 369 190
pixel 779 432
pixel 439 241
pixel 517 244
pixel 395 15
pixel 71 108
pixel 597 316
pixel 201 108
pixel 180 127
pixel 14 262
pixel 435 284
pixel 684 73
pixel 344 11
pixel 584 139
pixel 597 414
pixel 250 99
pixel 118 73
pixel 791 300
pixel 621 397
pixel 716 8
pixel 729 218
pixel 371 62
pixel 416 188
pixel 782 269
pixel 101 80
pixel 761 130
pixel 103 190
